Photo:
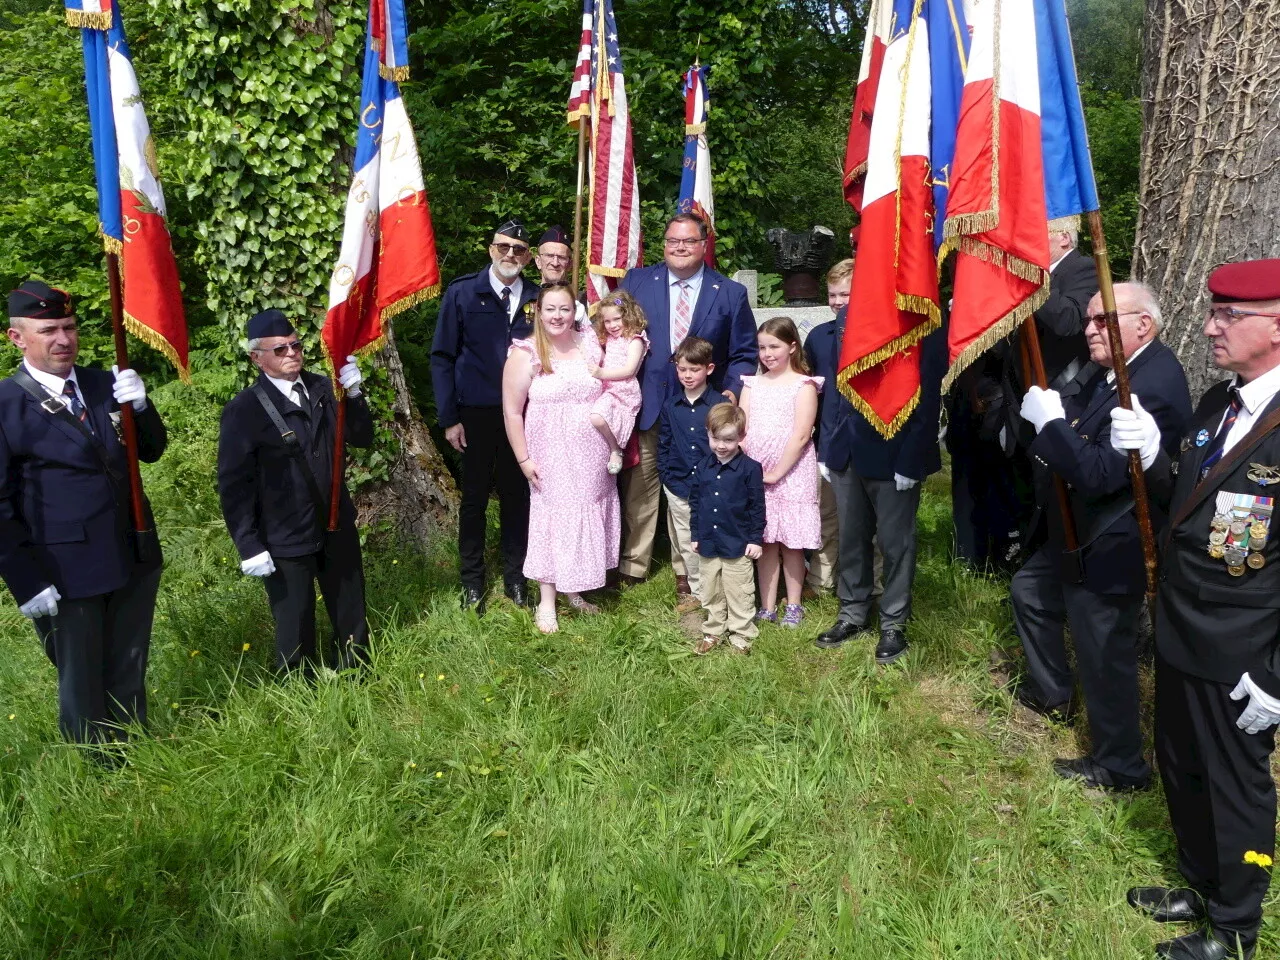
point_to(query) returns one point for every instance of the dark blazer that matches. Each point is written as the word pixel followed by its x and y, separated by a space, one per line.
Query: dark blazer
pixel 845 438
pixel 1079 450
pixel 266 502
pixel 471 341
pixel 1210 624
pixel 64 522
pixel 722 316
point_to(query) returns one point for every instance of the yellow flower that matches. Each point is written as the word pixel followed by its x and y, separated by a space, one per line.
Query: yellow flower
pixel 1261 859
pixel 412 765
pixel 422 676
pixel 440 676
pixel 245 648
pixel 174 705
pixel 195 653
pixel 1264 860
pixel 394 562
pixel 13 716
pixel 439 774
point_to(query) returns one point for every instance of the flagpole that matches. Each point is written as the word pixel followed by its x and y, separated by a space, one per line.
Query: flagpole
pixel 1034 359
pixel 339 461
pixel 128 428
pixel 577 201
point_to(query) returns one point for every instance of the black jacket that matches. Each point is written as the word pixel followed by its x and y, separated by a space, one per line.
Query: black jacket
pixel 266 501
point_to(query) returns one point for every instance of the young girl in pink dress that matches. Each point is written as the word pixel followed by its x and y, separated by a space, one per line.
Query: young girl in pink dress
pixel 781 405
pixel 619 323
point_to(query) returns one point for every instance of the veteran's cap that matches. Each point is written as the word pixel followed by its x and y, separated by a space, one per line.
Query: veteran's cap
pixel 554 234
pixel 35 300
pixel 269 323
pixel 1246 281
pixel 513 229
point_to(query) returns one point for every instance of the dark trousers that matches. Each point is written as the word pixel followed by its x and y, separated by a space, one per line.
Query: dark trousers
pixel 486 460
pixel 871 510
pixel 291 591
pixel 1222 800
pixel 1104 631
pixel 100 645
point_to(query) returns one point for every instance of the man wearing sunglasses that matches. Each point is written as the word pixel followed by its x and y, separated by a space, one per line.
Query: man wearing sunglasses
pixel 1217 697
pixel 275 472
pixel 480 314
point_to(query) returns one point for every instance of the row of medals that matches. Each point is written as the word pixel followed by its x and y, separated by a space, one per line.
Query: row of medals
pixel 1238 542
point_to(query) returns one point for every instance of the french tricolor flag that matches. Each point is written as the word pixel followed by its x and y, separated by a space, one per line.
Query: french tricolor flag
pixel 1021 162
pixel 857 149
pixel 387 262
pixel 695 176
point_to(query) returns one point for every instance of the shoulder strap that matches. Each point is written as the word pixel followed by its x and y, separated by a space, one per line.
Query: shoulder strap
pixel 1224 466
pixel 295 449
pixel 58 409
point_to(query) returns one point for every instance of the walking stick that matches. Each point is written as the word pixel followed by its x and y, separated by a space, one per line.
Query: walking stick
pixel 128 428
pixel 577 201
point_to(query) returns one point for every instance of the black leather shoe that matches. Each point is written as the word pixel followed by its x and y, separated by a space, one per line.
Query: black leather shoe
pixel 517 593
pixel 892 645
pixel 1095 775
pixel 473 599
pixel 1204 945
pixel 842 631
pixel 1062 713
pixel 1167 904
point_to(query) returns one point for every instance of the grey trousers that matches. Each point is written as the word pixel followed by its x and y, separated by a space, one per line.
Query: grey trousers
pixel 870 511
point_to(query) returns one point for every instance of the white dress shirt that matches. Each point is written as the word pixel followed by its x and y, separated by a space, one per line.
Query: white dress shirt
pixel 54 384
pixel 673 291
pixel 1254 397
pixel 516 287
pixel 286 387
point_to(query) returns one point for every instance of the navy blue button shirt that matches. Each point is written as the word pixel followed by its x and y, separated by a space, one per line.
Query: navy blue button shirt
pixel 726 506
pixel 682 438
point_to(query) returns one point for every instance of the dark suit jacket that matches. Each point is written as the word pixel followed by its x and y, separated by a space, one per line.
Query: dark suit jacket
pixel 722 316
pixel 1210 624
pixel 471 341
pixel 1060 319
pixel 1079 450
pixel 844 435
pixel 63 521
pixel 266 501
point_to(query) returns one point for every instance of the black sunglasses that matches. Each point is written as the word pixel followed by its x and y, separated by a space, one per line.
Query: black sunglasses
pixel 284 348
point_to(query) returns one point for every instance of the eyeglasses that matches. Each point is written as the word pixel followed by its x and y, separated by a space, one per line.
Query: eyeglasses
pixel 285 348
pixel 553 258
pixel 1100 319
pixel 1226 316
pixel 677 242
pixel 506 249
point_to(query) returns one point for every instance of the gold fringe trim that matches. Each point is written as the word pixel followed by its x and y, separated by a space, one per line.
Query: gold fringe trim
pixel 576 115
pixel 855 173
pixel 979 222
pixel 112 245
pixel 89 21
pixel 409 302
pixel 395 74
pixel 1070 222
pixel 1022 269
pixel 600 271
pixel 944 250
pixel 888 429
pixel 998 331
pixel 694 129
pixel 157 342
pixel 909 339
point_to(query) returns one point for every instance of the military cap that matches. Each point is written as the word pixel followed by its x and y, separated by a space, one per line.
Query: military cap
pixel 554 234
pixel 513 229
pixel 269 323
pixel 1248 280
pixel 39 301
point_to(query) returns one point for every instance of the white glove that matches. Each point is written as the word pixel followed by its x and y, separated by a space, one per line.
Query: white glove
pixel 260 566
pixel 1135 430
pixel 1041 406
pixel 903 483
pixel 824 472
pixel 128 388
pixel 349 377
pixel 1262 710
pixel 43 604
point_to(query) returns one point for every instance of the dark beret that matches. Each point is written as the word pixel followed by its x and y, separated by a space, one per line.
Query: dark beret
pixel 1249 280
pixel 269 323
pixel 39 301
pixel 513 229
pixel 554 234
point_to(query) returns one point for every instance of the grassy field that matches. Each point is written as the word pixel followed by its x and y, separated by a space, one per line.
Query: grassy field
pixel 488 792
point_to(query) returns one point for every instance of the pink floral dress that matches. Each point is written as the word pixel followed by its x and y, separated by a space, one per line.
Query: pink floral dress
pixel 575 525
pixel 620 402
pixel 791 505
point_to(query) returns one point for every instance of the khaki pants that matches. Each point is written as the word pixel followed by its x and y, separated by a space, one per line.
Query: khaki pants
pixel 684 559
pixel 822 562
pixel 640 489
pixel 729 595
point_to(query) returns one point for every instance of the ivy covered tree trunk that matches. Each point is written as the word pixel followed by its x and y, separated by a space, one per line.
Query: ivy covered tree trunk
pixel 1210 178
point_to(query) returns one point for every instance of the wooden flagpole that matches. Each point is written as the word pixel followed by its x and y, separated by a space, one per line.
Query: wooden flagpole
pixel 128 428
pixel 339 458
pixel 577 202
pixel 1033 372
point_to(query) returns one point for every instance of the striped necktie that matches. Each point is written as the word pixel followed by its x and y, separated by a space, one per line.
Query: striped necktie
pixel 73 401
pixel 1218 446
pixel 680 329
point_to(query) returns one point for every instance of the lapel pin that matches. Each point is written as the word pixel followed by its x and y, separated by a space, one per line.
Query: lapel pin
pixel 1202 438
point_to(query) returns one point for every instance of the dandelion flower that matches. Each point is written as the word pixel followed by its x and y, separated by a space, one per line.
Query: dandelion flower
pixel 439 774
pixel 245 648
pixel 13 716
pixel 422 676
pixel 174 705
pixel 395 562
pixel 440 676
pixel 195 653
pixel 1261 859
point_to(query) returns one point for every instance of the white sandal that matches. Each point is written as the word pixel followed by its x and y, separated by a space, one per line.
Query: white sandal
pixel 615 462
pixel 546 624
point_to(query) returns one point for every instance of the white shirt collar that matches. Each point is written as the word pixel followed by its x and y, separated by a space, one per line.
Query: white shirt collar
pixel 1257 393
pixel 1111 374
pixel 54 384
pixel 286 386
pixel 1055 263
pixel 516 286
pixel 694 282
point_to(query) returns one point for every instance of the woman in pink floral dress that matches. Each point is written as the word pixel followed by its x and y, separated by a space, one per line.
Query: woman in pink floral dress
pixel 547 397
pixel 781 405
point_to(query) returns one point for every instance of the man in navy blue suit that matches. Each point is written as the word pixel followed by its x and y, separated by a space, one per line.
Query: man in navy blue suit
pixel 480 315
pixel 681 297
pixel 1098 590
pixel 68 550
pixel 877 487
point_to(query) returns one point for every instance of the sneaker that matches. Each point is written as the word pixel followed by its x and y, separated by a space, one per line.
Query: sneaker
pixel 766 616
pixel 739 645
pixel 792 614
pixel 687 603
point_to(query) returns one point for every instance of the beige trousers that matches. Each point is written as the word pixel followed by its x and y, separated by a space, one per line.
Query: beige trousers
pixel 822 563
pixel 728 594
pixel 684 559
pixel 640 488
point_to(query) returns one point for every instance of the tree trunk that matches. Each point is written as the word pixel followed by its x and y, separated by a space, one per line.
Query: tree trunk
pixel 420 499
pixel 1210 178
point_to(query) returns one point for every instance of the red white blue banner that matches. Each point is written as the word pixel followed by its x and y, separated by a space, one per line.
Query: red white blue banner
pixel 131 208
pixel 695 176
pixel 387 262
pixel 857 149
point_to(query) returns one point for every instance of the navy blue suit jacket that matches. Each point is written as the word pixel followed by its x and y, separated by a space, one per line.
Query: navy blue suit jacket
pixel 722 316
pixel 846 438
pixel 63 521
pixel 470 345
pixel 1079 450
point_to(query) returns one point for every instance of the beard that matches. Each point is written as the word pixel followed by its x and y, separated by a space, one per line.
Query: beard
pixel 507 272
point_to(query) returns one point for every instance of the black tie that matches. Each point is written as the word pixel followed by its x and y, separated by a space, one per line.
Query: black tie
pixel 300 396
pixel 506 302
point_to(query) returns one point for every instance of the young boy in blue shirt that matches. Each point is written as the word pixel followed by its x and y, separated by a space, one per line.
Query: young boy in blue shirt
pixel 726 519
pixel 682 445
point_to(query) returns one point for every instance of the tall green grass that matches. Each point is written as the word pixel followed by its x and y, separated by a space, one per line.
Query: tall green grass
pixel 487 792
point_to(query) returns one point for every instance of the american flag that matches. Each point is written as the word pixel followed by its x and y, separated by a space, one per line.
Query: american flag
pixel 599 92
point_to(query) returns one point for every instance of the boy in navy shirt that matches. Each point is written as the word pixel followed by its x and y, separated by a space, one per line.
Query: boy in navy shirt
pixel 726 519
pixel 682 445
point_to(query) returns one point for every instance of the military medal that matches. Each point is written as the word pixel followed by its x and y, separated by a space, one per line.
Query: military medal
pixel 1216 551
pixel 1263 475
pixel 1236 570
pixel 1240 528
pixel 1217 538
pixel 1202 438
pixel 1234 556
pixel 1256 561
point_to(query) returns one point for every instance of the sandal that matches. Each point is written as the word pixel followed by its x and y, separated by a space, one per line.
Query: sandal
pixel 581 606
pixel 615 462
pixel 546 623
pixel 706 645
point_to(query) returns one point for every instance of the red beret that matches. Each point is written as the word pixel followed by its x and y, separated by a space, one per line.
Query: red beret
pixel 1247 281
